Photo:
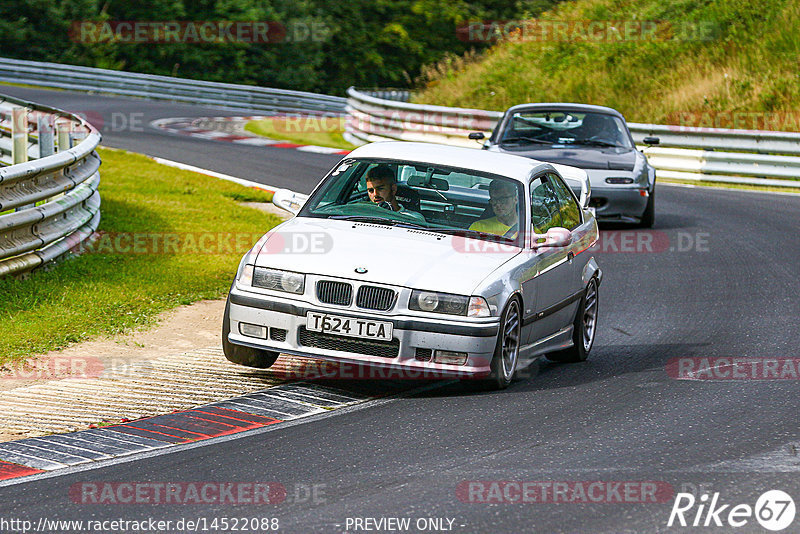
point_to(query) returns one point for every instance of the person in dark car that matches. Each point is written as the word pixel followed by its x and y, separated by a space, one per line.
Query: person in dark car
pixel 596 127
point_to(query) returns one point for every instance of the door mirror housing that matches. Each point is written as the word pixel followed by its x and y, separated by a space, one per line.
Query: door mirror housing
pixel 651 141
pixel 477 136
pixel 554 238
pixel 289 200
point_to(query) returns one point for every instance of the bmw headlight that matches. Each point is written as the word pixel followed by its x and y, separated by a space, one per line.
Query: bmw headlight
pixel 432 302
pixel 274 279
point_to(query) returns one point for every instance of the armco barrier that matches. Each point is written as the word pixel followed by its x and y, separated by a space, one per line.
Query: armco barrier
pixel 49 203
pixel 687 153
pixel 248 98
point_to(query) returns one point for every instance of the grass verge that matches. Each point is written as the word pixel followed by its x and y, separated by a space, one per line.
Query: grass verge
pixel 29 86
pixel 725 185
pixel 308 130
pixel 168 237
pixel 715 63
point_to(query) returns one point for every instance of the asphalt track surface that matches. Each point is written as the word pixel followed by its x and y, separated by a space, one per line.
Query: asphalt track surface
pixel 720 281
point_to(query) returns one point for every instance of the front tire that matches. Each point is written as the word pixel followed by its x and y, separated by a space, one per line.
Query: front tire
pixel 506 352
pixel 584 328
pixel 249 357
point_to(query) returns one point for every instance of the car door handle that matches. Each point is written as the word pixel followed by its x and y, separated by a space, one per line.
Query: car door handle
pixel 570 256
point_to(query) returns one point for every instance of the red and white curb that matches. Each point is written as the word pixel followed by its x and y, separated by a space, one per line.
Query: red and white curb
pixel 211 128
pixel 273 406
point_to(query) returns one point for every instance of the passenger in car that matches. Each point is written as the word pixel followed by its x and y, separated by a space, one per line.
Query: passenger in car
pixel 382 190
pixel 503 202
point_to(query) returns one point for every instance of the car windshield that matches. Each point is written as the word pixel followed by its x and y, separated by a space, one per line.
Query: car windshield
pixel 552 127
pixel 420 196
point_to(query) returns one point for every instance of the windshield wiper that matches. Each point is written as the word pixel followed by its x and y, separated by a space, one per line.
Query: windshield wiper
pixel 379 220
pixel 528 139
pixel 596 142
pixel 467 231
pixel 364 219
pixel 413 226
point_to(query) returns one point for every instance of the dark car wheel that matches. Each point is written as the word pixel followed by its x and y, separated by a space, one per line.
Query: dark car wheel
pixel 261 359
pixel 506 352
pixel 649 215
pixel 584 328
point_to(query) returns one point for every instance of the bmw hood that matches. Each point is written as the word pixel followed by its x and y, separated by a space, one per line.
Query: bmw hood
pixel 382 254
pixel 619 159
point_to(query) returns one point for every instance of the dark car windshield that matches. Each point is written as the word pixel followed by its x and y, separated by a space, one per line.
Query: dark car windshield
pixel 420 196
pixel 552 127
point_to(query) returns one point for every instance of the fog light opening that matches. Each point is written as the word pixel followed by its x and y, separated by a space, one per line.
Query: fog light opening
pixel 618 180
pixel 253 330
pixel 449 357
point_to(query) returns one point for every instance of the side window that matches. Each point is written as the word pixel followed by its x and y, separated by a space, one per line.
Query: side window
pixel 545 212
pixel 570 212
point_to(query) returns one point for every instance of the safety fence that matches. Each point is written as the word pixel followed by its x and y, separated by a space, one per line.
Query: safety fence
pixel 49 175
pixel 247 98
pixel 685 153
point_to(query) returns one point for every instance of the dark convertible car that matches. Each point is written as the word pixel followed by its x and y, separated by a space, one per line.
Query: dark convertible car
pixel 594 138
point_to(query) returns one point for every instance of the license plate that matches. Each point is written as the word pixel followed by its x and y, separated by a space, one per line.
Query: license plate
pixel 349 326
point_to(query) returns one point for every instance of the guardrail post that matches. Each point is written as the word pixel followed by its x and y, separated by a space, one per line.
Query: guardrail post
pixel 35 236
pixel 44 125
pixel 64 140
pixel 19 135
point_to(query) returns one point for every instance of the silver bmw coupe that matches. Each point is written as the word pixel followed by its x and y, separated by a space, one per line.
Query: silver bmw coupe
pixel 427 259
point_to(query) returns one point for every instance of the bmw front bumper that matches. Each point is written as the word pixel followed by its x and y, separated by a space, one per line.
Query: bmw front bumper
pixel 415 338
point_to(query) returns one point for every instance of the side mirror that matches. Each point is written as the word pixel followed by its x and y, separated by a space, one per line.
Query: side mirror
pixel 289 200
pixel 651 141
pixel 477 136
pixel 555 237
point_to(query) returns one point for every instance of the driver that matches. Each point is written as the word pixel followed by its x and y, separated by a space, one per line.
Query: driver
pixel 382 188
pixel 597 127
pixel 503 199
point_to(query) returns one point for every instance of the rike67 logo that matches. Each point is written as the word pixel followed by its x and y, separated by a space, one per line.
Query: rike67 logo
pixel 774 510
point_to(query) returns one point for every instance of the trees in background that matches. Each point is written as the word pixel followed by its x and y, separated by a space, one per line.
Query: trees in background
pixel 327 46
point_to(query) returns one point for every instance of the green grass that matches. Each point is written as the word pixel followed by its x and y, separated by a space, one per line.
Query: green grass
pixel 725 185
pixel 107 292
pixel 30 86
pixel 325 131
pixel 249 195
pixel 744 60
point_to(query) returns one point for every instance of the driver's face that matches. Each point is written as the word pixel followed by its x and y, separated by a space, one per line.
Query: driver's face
pixel 504 202
pixel 380 190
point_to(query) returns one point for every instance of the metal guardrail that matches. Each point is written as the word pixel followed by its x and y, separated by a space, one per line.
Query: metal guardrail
pixel 248 98
pixel 49 201
pixel 374 119
pixel 686 153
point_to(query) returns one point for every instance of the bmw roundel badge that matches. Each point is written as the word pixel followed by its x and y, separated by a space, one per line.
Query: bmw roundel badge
pixel 361 270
